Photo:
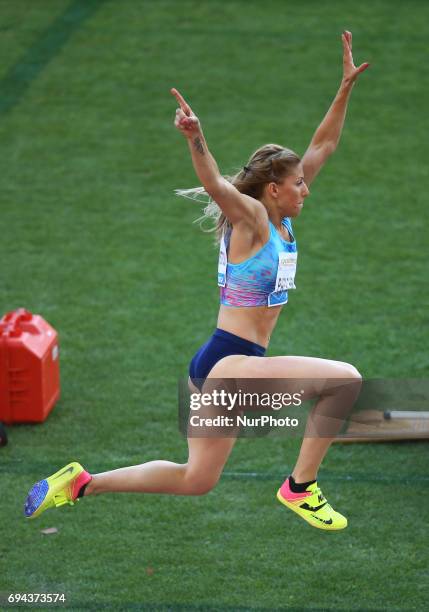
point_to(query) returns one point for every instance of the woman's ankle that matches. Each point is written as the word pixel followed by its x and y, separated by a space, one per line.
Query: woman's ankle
pixel 302 477
pixel 90 488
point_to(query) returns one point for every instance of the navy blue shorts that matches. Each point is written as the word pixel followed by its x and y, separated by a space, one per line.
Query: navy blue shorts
pixel 220 345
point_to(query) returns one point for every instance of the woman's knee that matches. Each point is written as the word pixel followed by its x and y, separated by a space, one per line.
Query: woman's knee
pixel 349 371
pixel 344 384
pixel 200 484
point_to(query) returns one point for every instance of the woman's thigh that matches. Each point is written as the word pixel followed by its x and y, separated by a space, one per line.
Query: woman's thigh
pixel 294 373
pixel 288 366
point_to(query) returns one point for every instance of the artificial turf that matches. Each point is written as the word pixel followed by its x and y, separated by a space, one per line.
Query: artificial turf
pixel 94 240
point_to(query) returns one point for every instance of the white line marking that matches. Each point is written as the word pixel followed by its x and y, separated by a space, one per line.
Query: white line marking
pixel 327 476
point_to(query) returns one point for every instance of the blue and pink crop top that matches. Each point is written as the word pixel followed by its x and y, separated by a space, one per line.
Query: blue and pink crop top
pixel 261 280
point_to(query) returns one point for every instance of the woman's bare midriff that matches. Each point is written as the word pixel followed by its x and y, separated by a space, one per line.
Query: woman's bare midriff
pixel 254 324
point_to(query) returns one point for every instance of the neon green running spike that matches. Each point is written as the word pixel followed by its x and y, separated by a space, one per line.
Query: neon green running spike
pixel 311 505
pixel 61 488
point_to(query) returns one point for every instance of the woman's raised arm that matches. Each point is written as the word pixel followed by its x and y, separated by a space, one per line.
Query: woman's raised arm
pixel 327 135
pixel 235 205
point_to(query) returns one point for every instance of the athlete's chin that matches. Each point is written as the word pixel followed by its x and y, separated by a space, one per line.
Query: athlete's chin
pixel 296 211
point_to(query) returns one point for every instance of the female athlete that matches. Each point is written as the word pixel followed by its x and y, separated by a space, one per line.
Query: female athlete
pixel 256 268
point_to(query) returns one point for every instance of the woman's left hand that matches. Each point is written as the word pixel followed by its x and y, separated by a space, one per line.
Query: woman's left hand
pixel 350 72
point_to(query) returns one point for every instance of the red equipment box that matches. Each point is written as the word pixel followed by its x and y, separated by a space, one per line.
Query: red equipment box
pixel 29 368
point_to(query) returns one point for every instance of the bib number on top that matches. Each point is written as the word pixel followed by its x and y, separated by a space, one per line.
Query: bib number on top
pixel 285 278
pixel 286 271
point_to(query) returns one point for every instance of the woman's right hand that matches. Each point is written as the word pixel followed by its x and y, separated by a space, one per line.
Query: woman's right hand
pixel 186 121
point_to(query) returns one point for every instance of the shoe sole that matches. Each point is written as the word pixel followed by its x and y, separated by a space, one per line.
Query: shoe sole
pixel 283 501
pixel 35 498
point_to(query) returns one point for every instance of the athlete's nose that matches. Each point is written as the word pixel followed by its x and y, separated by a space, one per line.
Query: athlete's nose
pixel 306 191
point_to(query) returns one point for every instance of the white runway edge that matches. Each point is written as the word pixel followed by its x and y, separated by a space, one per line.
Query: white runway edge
pixel 326 476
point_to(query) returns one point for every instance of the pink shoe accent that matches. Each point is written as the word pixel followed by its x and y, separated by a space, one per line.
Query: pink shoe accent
pixel 285 491
pixel 82 479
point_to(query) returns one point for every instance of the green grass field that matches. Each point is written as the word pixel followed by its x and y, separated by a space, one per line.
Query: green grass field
pixel 93 239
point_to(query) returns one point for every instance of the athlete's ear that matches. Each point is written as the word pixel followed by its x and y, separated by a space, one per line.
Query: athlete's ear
pixel 273 189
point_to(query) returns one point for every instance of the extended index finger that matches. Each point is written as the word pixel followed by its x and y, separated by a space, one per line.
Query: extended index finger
pixel 182 102
pixel 346 44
